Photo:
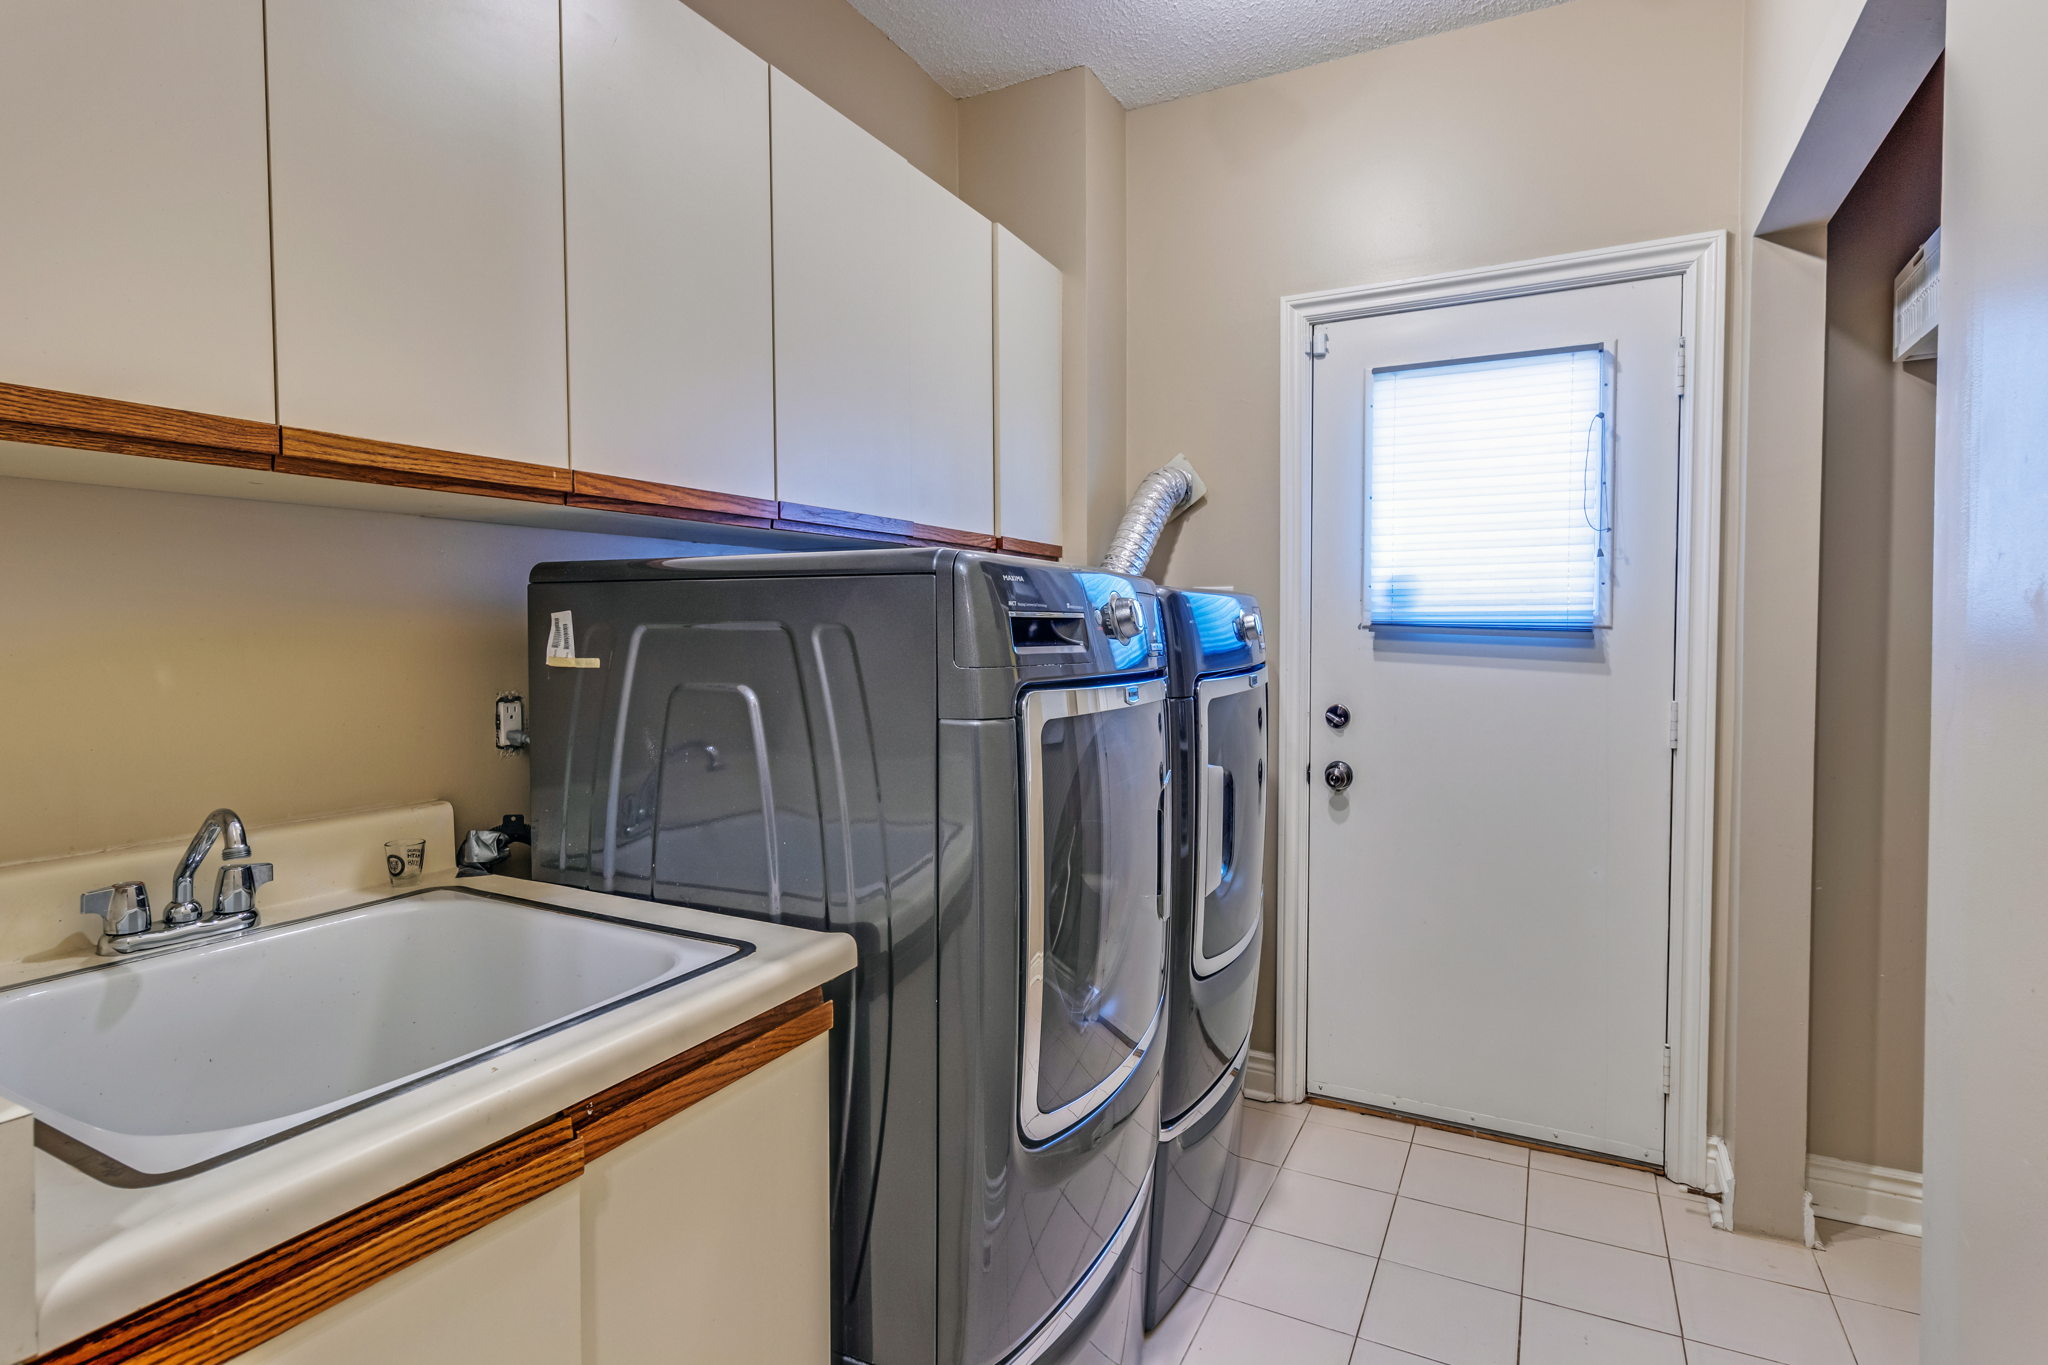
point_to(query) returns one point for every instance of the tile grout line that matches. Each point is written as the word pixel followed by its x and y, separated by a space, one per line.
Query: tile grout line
pixel 1522 1298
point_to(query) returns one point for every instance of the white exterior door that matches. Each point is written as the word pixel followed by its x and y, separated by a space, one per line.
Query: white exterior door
pixel 1489 898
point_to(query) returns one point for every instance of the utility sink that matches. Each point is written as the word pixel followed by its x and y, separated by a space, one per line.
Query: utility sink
pixel 158 1066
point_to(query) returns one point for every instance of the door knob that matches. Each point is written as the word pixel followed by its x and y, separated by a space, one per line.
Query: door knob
pixel 1338 775
pixel 1337 717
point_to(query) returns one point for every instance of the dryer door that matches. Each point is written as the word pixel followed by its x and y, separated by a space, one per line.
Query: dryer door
pixel 1095 808
pixel 1230 816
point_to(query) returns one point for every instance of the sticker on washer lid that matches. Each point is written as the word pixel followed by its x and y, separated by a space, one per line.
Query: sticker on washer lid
pixel 561 651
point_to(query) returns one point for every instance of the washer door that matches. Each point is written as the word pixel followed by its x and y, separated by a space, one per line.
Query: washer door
pixel 1095 809
pixel 1230 815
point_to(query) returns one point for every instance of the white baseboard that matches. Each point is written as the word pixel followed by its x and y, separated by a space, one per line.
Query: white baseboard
pixel 1258 1075
pixel 1872 1196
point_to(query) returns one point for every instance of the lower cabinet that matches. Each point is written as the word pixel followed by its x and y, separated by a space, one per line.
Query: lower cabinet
pixel 703 1241
pixel 508 1293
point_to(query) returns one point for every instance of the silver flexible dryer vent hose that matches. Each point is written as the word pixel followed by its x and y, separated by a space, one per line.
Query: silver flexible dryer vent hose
pixel 1162 495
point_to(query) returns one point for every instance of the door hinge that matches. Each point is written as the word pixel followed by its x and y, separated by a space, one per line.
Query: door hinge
pixel 1318 344
pixel 1673 735
pixel 1667 1068
pixel 1681 367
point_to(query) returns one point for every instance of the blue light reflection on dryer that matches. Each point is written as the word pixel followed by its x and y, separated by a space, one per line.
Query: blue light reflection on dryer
pixel 1100 587
pixel 1216 620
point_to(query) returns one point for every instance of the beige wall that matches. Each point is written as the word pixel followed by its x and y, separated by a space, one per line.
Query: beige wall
pixel 1046 158
pixel 835 53
pixel 1770 580
pixel 1790 50
pixel 168 653
pixel 1551 132
pixel 1876 591
pixel 1823 79
pixel 1987 933
pixel 181 651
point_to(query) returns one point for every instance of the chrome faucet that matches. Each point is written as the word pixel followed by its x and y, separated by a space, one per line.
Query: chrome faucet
pixel 183 909
pixel 130 928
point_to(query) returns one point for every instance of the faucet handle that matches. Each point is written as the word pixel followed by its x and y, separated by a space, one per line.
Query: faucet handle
pixel 235 891
pixel 124 906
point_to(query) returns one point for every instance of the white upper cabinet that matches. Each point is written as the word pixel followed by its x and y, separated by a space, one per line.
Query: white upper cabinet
pixel 417 203
pixel 1028 392
pixel 134 237
pixel 665 157
pixel 883 328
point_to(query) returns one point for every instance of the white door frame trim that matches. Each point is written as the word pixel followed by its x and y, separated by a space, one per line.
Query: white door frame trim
pixel 1701 264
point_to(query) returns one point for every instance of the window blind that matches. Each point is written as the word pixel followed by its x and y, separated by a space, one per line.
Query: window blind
pixel 1486 492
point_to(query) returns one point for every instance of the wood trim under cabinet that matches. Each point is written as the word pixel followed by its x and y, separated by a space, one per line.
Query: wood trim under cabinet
pixel 52 418
pixel 948 538
pixel 800 516
pixel 276 1290
pixel 803 516
pixel 327 455
pixel 613 493
pixel 1037 549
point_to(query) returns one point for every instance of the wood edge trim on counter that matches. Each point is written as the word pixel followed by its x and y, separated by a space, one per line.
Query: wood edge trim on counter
pixel 644 495
pixel 81 422
pixel 327 455
pixel 633 1106
pixel 1037 549
pixel 270 1293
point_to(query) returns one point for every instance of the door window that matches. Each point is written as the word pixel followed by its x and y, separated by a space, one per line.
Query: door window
pixel 1095 803
pixel 1486 492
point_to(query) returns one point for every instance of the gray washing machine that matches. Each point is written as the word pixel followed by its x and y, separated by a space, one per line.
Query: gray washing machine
pixel 1216 721
pixel 961 760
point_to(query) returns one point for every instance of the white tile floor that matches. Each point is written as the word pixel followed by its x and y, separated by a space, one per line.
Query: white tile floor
pixel 1357 1240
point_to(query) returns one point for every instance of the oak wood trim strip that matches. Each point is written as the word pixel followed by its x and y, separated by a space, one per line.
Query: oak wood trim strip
pixel 618 489
pixel 326 454
pixel 82 422
pixel 843 532
pixel 833 518
pixel 655 509
pixel 635 1105
pixel 948 537
pixel 276 1290
pixel 1037 549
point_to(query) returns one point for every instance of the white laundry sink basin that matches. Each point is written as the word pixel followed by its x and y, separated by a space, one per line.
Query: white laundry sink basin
pixel 163 1064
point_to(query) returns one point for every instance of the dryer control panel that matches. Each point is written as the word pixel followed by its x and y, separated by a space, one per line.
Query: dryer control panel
pixel 1075 620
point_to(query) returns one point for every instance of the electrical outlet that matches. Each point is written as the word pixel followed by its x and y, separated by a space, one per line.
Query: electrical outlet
pixel 511 723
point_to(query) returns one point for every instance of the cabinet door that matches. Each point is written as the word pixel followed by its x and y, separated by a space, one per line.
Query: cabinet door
pixel 417 185
pixel 135 237
pixel 507 1294
pixel 707 1240
pixel 665 157
pixel 1028 392
pixel 883 318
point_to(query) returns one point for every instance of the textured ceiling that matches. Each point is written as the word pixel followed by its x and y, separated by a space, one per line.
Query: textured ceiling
pixel 1146 51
